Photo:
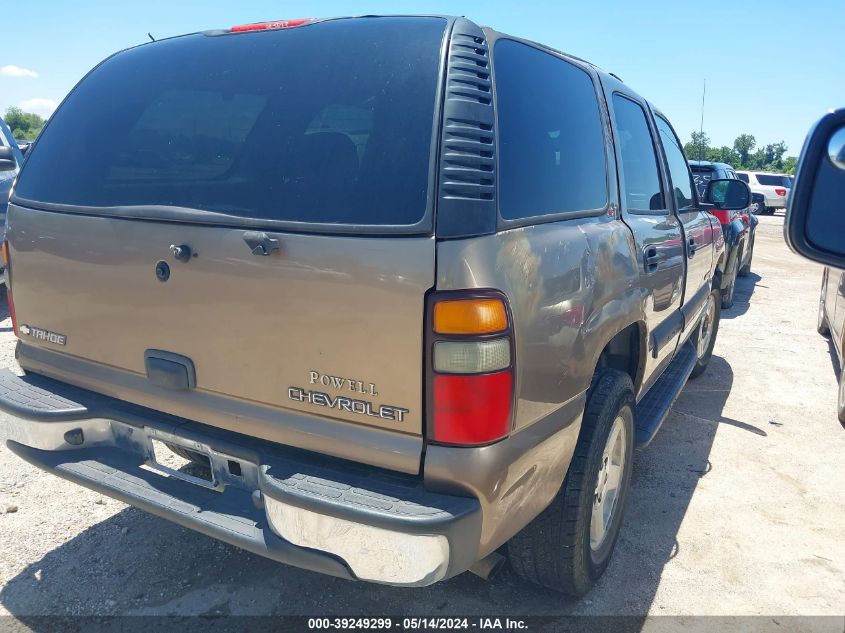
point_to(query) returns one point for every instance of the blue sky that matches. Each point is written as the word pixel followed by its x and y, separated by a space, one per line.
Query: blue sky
pixel 772 67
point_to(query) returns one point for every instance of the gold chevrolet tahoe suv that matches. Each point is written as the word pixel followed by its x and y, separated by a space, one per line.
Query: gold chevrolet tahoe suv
pixel 404 292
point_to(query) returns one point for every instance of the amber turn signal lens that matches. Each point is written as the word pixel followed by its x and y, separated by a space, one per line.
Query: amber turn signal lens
pixel 470 316
pixel 5 252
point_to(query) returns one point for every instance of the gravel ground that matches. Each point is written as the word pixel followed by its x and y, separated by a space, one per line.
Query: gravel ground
pixel 737 507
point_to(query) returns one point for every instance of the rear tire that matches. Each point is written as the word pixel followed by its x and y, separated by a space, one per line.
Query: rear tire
pixel 569 545
pixel 704 337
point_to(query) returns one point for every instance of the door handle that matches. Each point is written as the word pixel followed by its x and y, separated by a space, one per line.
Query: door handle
pixel 651 258
pixel 692 247
pixel 260 243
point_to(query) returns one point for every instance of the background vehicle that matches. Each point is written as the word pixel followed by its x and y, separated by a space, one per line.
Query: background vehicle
pixel 815 226
pixel 10 161
pixel 429 418
pixel 758 204
pixel 774 188
pixel 738 228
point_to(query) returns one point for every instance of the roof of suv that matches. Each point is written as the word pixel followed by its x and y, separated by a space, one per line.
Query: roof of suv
pixel 280 24
pixel 706 164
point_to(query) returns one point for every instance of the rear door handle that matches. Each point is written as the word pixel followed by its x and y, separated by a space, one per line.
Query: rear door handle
pixel 260 243
pixel 651 258
pixel 692 247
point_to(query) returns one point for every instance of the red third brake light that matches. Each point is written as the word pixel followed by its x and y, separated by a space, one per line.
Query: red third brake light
pixel 780 191
pixel 267 26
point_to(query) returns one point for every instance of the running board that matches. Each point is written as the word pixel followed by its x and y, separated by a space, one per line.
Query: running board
pixel 655 405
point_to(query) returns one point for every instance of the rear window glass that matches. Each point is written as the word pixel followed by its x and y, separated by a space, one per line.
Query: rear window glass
pixel 326 123
pixel 551 142
pixel 701 177
pixel 770 180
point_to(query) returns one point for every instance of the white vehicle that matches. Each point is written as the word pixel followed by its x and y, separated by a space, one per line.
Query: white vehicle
pixel 774 188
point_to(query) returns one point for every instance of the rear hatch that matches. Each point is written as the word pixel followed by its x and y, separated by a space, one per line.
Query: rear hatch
pixel 291 171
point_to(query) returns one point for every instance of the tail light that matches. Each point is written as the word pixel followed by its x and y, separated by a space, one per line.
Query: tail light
pixel 268 26
pixel 780 191
pixel 4 251
pixel 723 216
pixel 470 360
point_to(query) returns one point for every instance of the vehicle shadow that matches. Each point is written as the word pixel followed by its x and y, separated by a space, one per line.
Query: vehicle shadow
pixel 745 287
pixel 134 563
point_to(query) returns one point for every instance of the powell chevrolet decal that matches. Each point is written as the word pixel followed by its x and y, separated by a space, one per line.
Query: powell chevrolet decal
pixel 43 335
pixel 344 403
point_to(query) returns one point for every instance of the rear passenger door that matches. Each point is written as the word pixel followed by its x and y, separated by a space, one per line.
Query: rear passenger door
pixel 657 230
pixel 698 232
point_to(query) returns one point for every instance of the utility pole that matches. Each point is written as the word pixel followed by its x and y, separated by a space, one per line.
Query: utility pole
pixel 701 130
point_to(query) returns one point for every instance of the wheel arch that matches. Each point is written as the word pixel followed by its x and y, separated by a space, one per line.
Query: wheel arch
pixel 626 351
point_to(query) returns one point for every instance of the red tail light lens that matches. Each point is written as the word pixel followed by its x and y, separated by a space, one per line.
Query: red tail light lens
pixel 472 410
pixel 780 191
pixel 267 26
pixel 470 361
pixel 723 216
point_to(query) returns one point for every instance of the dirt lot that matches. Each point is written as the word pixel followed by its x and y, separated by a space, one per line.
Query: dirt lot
pixel 738 506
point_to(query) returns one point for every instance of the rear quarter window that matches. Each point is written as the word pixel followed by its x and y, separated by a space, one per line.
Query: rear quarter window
pixel 701 177
pixel 770 180
pixel 550 135
pixel 329 123
pixel 742 177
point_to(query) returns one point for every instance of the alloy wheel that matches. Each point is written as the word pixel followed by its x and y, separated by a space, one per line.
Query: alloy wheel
pixel 608 485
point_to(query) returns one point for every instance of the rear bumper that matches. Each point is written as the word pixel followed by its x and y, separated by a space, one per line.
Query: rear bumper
pixel 778 202
pixel 300 508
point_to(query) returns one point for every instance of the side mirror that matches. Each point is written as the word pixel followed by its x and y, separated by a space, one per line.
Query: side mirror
pixel 7 159
pixel 815 216
pixel 728 194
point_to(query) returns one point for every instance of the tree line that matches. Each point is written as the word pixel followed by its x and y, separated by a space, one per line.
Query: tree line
pixel 745 154
pixel 25 126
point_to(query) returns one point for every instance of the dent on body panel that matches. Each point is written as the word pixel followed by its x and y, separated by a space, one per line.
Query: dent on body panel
pixel 567 283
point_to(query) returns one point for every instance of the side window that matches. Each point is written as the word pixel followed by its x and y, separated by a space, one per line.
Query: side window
pixel 678 168
pixel 551 141
pixel 639 159
pixel 742 177
pixel 731 174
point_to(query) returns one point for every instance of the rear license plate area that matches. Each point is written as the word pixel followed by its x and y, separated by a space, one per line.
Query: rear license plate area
pixel 196 470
